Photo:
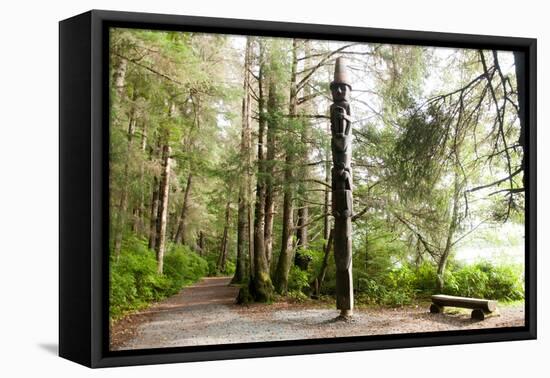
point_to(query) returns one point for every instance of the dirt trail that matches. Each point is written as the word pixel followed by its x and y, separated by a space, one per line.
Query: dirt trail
pixel 206 314
pixel 178 320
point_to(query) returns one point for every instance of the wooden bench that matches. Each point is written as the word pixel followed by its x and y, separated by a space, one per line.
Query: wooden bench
pixel 480 307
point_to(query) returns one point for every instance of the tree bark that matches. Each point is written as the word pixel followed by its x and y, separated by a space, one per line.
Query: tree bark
pixel 188 142
pixel 261 288
pixel 119 77
pixel 519 63
pixel 242 220
pixel 201 243
pixel 244 225
pixel 139 221
pixel 303 207
pixel 163 207
pixel 182 221
pixel 453 224
pixel 269 177
pixel 268 231
pixel 324 266
pixel 153 215
pixel 164 191
pixel 287 249
pixel 123 202
pixel 302 226
pixel 273 110
pixel 250 173
pixel 223 248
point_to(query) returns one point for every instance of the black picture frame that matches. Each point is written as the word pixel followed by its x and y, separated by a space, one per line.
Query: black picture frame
pixel 83 181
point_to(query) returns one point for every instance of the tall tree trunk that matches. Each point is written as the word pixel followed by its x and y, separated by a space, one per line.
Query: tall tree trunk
pixel 273 110
pixel 318 282
pixel 250 223
pixel 287 249
pixel 153 215
pixel 367 248
pixel 123 202
pixel 303 208
pixel 188 142
pixel 244 225
pixel 328 233
pixel 268 227
pixel 223 247
pixel 249 156
pixel 242 220
pixel 139 222
pixel 519 63
pixel 261 287
pixel 163 207
pixel 164 191
pixel 119 77
pixel 201 243
pixel 250 173
pixel 453 225
pixel 302 227
pixel 182 220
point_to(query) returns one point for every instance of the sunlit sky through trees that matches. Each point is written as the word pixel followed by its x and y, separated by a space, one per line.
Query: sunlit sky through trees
pixel 441 76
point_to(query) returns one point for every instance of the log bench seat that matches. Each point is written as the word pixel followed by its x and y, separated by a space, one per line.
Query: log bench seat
pixel 480 307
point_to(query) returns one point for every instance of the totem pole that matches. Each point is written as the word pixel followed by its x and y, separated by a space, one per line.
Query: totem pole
pixel 342 210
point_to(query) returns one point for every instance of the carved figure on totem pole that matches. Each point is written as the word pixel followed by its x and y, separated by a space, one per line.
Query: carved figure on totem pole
pixel 342 199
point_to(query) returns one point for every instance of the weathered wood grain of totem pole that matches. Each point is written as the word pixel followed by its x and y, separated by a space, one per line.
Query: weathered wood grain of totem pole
pixel 342 200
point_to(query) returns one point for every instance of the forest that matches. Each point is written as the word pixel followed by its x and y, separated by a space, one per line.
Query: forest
pixel 220 165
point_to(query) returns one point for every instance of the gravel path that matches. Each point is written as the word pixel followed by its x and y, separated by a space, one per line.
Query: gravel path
pixel 206 313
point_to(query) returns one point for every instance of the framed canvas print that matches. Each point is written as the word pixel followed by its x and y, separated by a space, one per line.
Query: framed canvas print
pixel 234 188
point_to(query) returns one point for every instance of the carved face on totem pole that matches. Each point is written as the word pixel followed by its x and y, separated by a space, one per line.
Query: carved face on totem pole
pixel 340 91
pixel 340 87
pixel 340 110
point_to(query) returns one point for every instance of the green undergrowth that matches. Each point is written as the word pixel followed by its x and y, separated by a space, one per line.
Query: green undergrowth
pixel 383 283
pixel 135 283
pixel 409 284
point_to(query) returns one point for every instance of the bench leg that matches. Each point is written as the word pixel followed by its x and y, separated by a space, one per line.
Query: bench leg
pixel 479 314
pixel 436 309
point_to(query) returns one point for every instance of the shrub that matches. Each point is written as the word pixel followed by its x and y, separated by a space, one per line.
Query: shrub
pixel 316 257
pixel 213 271
pixel 469 281
pixel 183 267
pixel 135 283
pixel 402 285
pixel 425 279
pixel 395 289
pixel 369 290
pixel 123 292
pixel 506 282
pixel 485 280
pixel 298 279
pixel 297 296
pixel 399 286
pixel 229 268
